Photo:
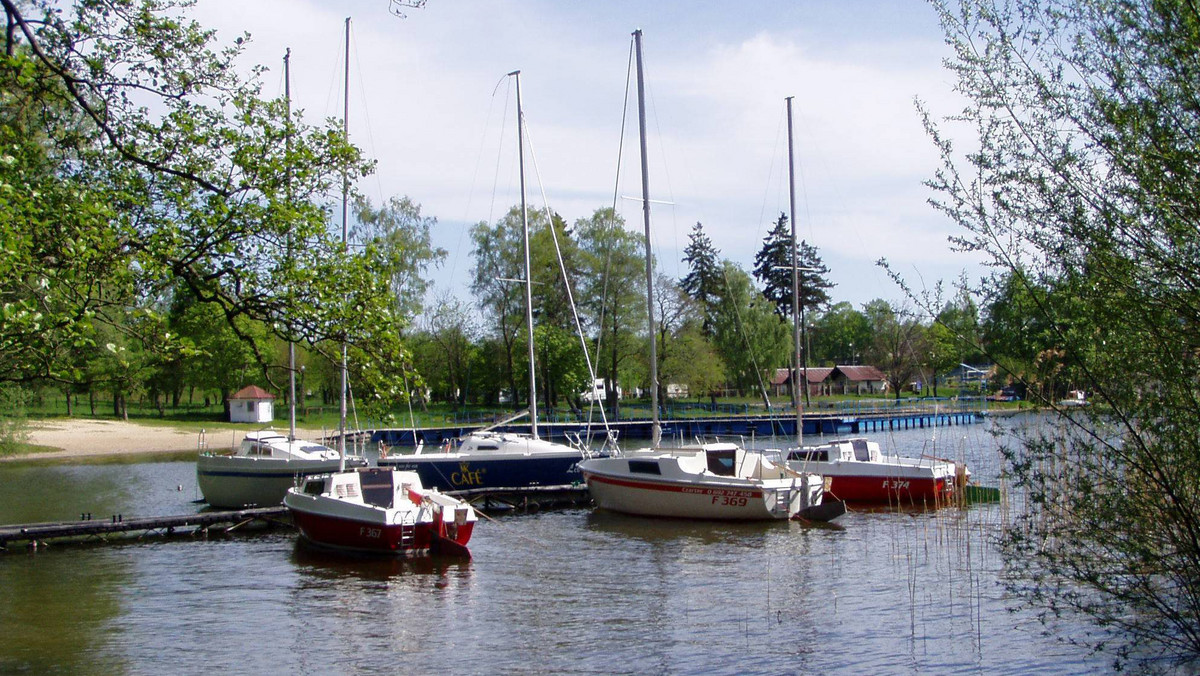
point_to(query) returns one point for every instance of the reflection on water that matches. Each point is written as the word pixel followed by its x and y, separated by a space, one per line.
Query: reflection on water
pixel 323 564
pixel 565 591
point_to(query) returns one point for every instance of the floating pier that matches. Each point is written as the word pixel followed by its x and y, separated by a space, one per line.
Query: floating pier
pixel 686 429
pixel 100 529
pixel 525 500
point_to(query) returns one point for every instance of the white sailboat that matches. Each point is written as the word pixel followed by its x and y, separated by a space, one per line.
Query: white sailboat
pixel 259 471
pixel 705 481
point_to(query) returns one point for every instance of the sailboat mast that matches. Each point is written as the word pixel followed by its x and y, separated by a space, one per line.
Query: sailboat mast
pixel 533 417
pixel 287 95
pixel 800 379
pixel 656 428
pixel 345 237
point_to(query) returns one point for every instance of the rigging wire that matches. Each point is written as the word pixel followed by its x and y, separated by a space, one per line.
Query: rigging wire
pixel 474 181
pixel 746 339
pixel 499 156
pixel 612 223
pixel 562 266
pixel 762 213
pixel 362 90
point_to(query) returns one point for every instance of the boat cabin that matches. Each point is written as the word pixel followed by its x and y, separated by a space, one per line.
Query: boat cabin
pixel 857 449
pixel 373 486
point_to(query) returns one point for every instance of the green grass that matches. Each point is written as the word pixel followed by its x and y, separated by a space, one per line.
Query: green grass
pixel 52 406
pixel 21 448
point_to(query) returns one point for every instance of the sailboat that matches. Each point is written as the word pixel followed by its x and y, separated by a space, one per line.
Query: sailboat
pixel 485 462
pixel 259 471
pixel 855 469
pixel 703 481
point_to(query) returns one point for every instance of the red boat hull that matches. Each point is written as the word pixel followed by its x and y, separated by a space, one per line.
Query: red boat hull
pixel 422 539
pixel 890 490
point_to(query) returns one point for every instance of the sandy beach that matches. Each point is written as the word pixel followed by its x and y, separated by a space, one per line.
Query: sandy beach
pixel 78 438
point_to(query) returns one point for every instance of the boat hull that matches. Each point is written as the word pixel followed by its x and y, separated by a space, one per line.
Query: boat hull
pixel 453 473
pixel 367 531
pixel 692 501
pixel 904 490
pixel 233 482
pixel 859 472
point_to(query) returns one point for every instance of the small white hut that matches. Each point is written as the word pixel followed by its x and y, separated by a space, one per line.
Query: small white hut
pixel 252 404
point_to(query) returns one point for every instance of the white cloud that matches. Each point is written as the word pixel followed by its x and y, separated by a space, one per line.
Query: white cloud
pixel 422 103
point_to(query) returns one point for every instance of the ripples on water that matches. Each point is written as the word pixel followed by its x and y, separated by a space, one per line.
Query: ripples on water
pixel 571 591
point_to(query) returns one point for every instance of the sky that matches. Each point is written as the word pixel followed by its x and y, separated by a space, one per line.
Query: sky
pixel 430 101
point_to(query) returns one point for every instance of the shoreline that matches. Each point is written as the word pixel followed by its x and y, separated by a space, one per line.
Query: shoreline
pixel 81 439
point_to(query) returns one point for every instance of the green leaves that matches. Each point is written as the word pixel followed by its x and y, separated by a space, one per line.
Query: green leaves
pixel 1083 194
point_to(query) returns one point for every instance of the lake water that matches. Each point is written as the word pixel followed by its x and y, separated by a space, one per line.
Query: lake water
pixel 573 591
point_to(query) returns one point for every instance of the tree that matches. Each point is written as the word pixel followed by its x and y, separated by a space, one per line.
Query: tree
pixel 217 358
pixel 896 343
pixel 773 269
pixel 674 311
pixel 838 334
pixel 498 278
pixel 146 164
pixel 613 272
pixel 498 259
pixel 450 332
pixel 1082 191
pixel 704 281
pixel 750 337
pixel 399 230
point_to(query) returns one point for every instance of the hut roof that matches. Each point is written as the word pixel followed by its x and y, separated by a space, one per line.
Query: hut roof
pixel 252 392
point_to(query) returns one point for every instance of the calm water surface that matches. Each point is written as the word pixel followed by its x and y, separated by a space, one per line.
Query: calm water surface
pixel 571 591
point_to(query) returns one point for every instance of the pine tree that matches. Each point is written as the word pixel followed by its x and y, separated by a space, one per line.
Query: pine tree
pixel 704 281
pixel 773 269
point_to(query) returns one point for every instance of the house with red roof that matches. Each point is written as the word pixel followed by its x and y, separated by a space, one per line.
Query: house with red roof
pixel 858 380
pixel 818 378
pixel 252 404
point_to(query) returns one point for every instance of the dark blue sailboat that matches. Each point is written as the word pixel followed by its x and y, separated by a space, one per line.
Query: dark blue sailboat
pixel 494 463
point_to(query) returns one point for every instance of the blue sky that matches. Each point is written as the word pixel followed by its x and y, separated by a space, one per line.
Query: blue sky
pixel 430 102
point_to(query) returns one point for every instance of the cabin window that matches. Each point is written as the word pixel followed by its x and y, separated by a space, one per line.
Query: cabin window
pixel 489 448
pixel 644 467
pixel 377 488
pixel 809 456
pixel 314 487
pixel 861 452
pixel 721 462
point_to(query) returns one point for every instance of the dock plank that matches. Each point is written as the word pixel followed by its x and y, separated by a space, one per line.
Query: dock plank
pixel 42 532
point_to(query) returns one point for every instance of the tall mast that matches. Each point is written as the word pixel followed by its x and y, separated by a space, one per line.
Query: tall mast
pixel 287 94
pixel 800 379
pixel 656 428
pixel 533 417
pixel 345 237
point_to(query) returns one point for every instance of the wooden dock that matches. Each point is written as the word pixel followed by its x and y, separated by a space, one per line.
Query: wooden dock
pixel 38 534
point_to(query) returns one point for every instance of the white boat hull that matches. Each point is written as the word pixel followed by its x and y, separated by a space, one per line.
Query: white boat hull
pixel 234 482
pixel 678 486
pixel 668 499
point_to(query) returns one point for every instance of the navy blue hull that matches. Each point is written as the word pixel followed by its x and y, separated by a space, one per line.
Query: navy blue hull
pixel 458 474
